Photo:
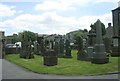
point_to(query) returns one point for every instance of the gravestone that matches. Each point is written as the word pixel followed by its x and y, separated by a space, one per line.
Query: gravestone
pixel 108 44
pixel 36 48
pixel 99 55
pixel 82 54
pixel 26 48
pixel 51 44
pixel 2 45
pixel 67 49
pixel 61 48
pixel 50 58
pixel 40 40
pixel 56 45
pixel 91 42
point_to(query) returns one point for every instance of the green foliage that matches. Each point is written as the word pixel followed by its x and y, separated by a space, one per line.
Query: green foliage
pixel 79 42
pixel 27 35
pixel 78 34
pixel 16 38
pixel 93 26
pixel 65 66
pixel 85 30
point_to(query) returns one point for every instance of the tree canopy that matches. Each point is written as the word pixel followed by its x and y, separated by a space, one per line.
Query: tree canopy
pixel 28 35
pixel 93 26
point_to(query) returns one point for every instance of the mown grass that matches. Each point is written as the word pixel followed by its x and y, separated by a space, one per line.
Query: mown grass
pixel 66 66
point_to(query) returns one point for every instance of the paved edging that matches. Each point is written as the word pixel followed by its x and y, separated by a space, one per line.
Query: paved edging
pixel 12 71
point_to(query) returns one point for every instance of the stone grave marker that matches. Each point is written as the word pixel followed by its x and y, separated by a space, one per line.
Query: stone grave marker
pixel 82 54
pixel 2 45
pixel 50 58
pixel 61 48
pixel 26 47
pixel 99 55
pixel 40 40
pixel 90 43
pixel 67 49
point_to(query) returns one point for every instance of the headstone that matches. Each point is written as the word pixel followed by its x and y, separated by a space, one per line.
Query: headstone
pixel 2 48
pixel 56 45
pixel 99 55
pixel 91 42
pixel 67 49
pixel 51 44
pixel 26 50
pixel 84 43
pixel 50 58
pixel 40 40
pixel 36 48
pixel 82 54
pixel 108 44
pixel 109 31
pixel 61 48
pixel 116 32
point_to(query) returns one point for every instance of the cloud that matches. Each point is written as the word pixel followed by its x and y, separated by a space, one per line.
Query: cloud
pixel 86 21
pixel 65 5
pixel 51 23
pixel 6 10
pixel 53 5
pixel 20 11
pixel 113 1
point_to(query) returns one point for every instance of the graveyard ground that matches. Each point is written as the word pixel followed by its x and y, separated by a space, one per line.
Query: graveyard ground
pixel 66 66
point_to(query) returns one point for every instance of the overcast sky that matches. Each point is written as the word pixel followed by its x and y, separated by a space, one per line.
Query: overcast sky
pixel 53 16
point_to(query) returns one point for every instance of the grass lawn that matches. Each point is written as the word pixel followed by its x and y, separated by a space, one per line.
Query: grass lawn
pixel 66 66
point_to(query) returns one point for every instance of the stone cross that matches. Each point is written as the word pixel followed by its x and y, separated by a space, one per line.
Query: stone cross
pixel 99 56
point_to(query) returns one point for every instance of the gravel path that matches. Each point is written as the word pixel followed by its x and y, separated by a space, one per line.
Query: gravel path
pixel 12 71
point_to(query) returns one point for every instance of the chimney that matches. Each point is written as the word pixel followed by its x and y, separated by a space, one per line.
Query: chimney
pixel 109 24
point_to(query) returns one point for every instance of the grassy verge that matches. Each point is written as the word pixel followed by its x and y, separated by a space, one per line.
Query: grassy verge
pixel 66 66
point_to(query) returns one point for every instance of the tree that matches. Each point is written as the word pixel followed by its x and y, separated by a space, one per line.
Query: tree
pixel 30 36
pixel 93 26
pixel 85 30
pixel 16 38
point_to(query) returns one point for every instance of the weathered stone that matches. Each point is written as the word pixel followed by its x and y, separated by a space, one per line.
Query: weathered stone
pixel 108 44
pixel 67 49
pixel 90 44
pixel 36 48
pixel 99 55
pixel 116 32
pixel 40 41
pixel 82 54
pixel 56 45
pixel 26 50
pixel 2 45
pixel 61 48
pixel 50 58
